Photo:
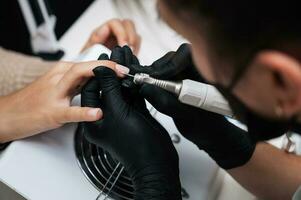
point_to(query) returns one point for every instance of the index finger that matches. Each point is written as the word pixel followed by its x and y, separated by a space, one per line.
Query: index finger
pixel 79 73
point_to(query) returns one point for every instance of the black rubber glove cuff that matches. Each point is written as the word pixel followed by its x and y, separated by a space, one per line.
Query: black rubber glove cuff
pixel 227 144
pixel 235 153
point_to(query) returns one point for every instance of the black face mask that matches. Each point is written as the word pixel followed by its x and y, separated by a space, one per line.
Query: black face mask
pixel 260 128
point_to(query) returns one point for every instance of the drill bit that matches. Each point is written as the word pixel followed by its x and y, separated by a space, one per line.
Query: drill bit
pixel 174 87
pixel 129 75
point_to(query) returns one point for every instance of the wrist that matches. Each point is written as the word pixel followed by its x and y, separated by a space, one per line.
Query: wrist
pixel 15 123
pixel 233 149
pixel 234 156
pixel 227 144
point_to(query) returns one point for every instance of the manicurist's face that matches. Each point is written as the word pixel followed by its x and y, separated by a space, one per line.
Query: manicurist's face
pixel 271 82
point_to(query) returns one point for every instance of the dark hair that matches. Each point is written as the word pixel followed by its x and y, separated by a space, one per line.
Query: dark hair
pixel 239 27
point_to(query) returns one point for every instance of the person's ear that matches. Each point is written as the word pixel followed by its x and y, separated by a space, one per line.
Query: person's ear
pixel 285 73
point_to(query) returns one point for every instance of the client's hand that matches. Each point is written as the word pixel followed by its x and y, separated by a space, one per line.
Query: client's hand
pixel 116 32
pixel 45 103
pixel 132 136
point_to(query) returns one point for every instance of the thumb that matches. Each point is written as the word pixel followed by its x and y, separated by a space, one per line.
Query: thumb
pixel 111 89
pixel 79 114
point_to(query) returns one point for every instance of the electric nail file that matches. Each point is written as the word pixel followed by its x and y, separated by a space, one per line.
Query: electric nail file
pixel 190 92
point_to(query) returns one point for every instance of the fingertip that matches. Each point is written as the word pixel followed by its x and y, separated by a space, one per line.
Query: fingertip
pixel 127 48
pixel 122 69
pixel 79 114
pixel 117 55
pixel 124 43
pixel 94 114
pixel 130 46
pixel 184 47
pixel 103 56
pixel 103 31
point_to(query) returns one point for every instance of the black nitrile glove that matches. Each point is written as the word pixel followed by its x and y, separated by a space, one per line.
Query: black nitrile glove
pixel 124 56
pixel 228 145
pixel 172 66
pixel 132 136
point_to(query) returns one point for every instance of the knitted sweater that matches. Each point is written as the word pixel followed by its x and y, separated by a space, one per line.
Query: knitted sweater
pixel 18 70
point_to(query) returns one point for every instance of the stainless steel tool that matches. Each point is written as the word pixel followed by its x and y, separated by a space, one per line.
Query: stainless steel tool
pixel 190 92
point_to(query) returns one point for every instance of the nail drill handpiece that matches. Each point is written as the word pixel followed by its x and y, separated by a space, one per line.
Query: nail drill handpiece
pixel 191 92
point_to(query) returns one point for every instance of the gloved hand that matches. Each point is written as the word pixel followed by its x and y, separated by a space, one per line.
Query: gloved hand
pixel 132 136
pixel 172 66
pixel 228 145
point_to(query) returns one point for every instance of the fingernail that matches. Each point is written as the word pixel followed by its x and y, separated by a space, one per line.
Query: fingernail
pixel 124 44
pixel 95 112
pixel 103 31
pixel 122 69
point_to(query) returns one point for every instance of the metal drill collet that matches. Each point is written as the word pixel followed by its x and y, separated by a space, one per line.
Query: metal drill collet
pixel 174 87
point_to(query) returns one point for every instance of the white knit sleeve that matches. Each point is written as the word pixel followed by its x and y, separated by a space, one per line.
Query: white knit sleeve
pixel 18 70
